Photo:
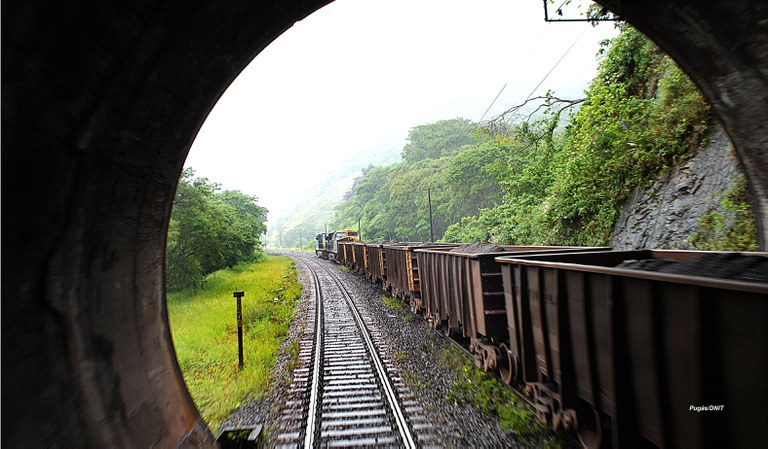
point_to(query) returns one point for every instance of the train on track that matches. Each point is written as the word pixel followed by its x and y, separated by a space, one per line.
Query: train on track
pixel 624 349
pixel 327 243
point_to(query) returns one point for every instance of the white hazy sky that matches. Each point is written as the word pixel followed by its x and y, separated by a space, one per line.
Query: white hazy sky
pixel 356 75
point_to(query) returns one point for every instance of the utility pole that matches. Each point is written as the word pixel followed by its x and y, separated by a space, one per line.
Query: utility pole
pixel 301 239
pixel 431 230
pixel 359 230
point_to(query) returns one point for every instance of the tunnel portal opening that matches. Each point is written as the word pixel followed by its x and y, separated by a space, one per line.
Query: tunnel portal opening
pixel 100 106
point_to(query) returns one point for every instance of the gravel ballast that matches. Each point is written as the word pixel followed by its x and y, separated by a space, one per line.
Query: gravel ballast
pixel 418 352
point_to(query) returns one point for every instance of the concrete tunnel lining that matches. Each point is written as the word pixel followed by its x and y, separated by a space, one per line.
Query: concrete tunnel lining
pixel 100 106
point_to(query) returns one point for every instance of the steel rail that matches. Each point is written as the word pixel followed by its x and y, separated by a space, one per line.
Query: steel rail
pixel 405 432
pixel 309 436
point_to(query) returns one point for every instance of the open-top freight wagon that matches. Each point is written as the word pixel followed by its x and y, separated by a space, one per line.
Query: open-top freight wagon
pixel 636 358
pixel 376 270
pixel 462 293
pixel 361 257
pixel 346 254
pixel 622 356
pixel 403 278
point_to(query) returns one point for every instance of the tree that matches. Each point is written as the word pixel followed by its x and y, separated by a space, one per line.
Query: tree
pixel 210 230
pixel 640 116
pixel 438 139
pixel 442 157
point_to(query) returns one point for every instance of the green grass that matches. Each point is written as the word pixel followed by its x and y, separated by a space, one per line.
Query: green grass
pixel 413 381
pixel 490 396
pixel 401 356
pixel 204 329
pixel 393 304
pixel 398 306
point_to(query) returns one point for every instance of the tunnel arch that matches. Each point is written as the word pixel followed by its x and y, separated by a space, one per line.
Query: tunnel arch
pixel 100 106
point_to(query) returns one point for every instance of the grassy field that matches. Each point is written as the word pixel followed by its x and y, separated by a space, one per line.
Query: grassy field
pixel 204 329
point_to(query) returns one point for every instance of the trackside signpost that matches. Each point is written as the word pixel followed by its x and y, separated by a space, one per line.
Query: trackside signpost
pixel 239 296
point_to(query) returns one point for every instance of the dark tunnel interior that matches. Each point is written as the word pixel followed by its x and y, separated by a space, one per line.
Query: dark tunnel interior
pixel 100 105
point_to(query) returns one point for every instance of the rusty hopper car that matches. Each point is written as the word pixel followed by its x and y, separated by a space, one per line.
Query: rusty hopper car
pixel 361 257
pixel 442 284
pixel 462 292
pixel 402 268
pixel 345 255
pixel 376 270
pixel 633 356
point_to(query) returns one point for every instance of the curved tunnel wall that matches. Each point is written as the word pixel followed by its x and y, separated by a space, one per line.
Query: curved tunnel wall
pixel 101 103
pixel 724 48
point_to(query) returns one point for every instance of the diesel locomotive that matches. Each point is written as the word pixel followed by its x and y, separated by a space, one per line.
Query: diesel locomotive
pixel 327 244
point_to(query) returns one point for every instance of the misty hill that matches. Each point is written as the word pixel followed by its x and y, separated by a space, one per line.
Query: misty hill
pixel 300 225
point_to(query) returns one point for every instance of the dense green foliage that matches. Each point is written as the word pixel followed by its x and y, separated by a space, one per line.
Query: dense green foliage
pixel 730 228
pixel 540 182
pixel 641 115
pixel 437 139
pixel 444 159
pixel 210 230
pixel 477 389
pixel 204 328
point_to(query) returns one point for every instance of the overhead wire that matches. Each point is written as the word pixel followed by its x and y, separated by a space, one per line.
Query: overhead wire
pixel 525 56
pixel 556 64
pixel 523 60
pixel 530 95
pixel 477 124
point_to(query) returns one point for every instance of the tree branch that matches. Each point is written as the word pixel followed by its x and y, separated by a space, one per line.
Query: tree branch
pixel 546 101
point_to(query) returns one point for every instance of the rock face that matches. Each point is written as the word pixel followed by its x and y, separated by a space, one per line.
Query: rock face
pixel 666 213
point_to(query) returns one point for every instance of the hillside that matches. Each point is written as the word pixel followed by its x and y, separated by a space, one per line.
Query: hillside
pixel 530 180
pixel 318 206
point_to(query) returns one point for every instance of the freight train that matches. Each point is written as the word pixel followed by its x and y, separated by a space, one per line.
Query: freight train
pixel 638 349
pixel 327 244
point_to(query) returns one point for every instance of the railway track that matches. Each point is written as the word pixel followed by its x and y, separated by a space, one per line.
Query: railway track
pixel 345 392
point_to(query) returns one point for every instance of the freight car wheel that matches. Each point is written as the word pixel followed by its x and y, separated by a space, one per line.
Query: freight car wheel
pixel 509 365
pixel 587 425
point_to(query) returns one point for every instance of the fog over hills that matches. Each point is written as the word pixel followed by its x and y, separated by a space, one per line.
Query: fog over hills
pixel 316 209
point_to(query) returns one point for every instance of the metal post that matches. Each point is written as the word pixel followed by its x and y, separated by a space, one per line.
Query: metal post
pixel 359 230
pixel 429 201
pixel 239 296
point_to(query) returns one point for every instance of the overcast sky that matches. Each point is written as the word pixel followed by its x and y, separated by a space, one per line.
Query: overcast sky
pixel 356 75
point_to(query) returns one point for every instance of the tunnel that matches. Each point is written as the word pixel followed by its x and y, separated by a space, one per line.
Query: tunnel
pixel 100 104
